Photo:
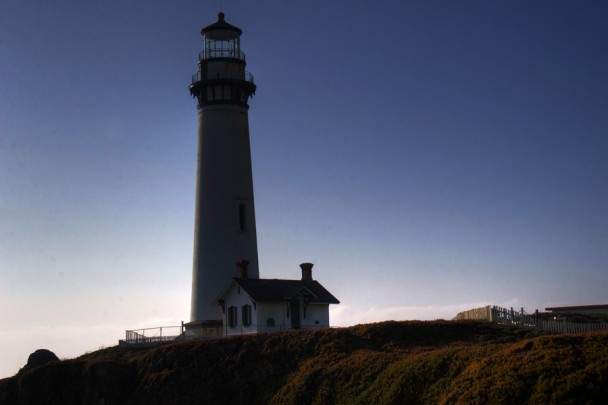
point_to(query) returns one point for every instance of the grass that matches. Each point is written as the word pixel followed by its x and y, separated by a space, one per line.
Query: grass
pixel 445 362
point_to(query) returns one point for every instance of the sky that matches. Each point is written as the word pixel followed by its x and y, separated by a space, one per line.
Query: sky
pixel 427 156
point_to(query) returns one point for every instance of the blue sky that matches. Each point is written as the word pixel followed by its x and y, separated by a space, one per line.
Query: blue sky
pixel 428 157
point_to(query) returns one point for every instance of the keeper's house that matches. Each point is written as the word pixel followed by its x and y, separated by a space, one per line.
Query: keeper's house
pixel 254 305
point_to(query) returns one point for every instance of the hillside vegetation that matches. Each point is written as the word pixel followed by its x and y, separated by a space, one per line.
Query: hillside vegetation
pixel 386 363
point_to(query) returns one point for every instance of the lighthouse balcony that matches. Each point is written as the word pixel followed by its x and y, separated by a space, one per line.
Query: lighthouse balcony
pixel 221 54
pixel 223 74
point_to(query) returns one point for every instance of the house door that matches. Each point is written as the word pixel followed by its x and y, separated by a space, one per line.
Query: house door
pixel 295 313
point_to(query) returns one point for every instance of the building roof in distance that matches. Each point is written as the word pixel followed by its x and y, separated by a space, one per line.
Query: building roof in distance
pixel 577 308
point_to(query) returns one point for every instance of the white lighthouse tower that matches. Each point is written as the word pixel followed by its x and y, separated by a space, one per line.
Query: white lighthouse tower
pixel 224 230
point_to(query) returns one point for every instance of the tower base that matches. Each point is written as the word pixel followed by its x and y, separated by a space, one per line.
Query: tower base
pixel 203 329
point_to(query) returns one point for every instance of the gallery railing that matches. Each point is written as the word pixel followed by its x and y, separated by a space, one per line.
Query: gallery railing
pixel 219 74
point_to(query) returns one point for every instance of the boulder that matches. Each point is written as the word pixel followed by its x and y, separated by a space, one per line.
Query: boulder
pixel 41 357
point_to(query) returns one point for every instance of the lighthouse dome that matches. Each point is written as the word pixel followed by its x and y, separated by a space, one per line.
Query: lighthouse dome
pixel 221 30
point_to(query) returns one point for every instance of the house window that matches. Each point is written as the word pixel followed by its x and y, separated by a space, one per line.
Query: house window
pixel 232 317
pixel 246 315
pixel 270 323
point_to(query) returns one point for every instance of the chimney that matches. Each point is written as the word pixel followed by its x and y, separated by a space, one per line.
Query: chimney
pixel 241 269
pixel 306 271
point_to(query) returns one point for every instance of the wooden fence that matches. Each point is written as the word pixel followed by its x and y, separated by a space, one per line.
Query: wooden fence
pixel 506 316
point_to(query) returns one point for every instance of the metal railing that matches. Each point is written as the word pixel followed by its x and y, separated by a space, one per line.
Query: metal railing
pixel 150 336
pixel 222 53
pixel 223 74
pixel 153 335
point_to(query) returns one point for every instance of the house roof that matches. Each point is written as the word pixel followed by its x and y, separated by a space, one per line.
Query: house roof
pixel 260 289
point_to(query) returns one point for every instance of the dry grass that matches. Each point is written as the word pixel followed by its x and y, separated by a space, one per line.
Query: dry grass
pixel 383 363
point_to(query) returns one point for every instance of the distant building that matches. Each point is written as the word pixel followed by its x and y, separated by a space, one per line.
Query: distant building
pixel 253 305
pixel 581 309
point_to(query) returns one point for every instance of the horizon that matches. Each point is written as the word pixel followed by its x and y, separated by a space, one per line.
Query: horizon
pixel 427 158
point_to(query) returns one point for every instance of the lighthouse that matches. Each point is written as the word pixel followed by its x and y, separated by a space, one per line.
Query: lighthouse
pixel 224 229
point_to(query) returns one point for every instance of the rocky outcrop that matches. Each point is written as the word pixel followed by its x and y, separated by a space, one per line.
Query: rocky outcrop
pixel 40 357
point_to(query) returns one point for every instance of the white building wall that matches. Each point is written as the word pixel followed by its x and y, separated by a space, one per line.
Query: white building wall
pixel 237 297
pixel 317 316
pixel 275 310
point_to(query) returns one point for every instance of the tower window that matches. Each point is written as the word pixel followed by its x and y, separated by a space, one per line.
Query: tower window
pixel 243 217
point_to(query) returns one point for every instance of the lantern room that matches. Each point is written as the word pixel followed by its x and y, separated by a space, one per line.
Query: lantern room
pixel 222 40
pixel 221 77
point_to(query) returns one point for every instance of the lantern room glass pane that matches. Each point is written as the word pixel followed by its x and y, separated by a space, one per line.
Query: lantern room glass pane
pixel 217 48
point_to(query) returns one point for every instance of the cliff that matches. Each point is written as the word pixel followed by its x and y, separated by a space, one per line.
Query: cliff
pixel 384 363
